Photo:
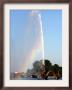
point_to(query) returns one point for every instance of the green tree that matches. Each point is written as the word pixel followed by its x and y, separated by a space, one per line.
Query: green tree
pixel 60 71
pixel 36 66
pixel 55 68
pixel 47 65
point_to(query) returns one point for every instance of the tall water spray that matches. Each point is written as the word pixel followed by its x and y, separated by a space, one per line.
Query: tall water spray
pixel 29 47
pixel 38 20
pixel 42 38
pixel 35 31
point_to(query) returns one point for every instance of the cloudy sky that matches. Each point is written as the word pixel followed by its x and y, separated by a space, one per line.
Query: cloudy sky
pixel 26 37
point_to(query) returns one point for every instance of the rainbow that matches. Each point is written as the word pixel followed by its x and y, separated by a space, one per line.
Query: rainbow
pixel 38 46
pixel 36 50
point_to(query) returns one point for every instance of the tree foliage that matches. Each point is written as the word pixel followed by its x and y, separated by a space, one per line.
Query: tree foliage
pixel 36 66
pixel 47 65
pixel 55 68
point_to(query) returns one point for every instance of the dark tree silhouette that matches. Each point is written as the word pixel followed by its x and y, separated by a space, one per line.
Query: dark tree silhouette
pixel 47 65
pixel 40 69
pixel 55 68
pixel 36 66
pixel 60 71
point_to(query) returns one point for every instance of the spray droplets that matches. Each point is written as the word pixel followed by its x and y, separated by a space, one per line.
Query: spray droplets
pixel 34 12
pixel 36 42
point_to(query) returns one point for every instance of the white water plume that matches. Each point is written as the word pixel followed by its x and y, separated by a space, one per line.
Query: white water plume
pixel 35 32
pixel 32 43
pixel 39 21
pixel 42 39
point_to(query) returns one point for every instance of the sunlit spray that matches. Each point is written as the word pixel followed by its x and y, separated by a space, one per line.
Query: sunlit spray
pixel 35 30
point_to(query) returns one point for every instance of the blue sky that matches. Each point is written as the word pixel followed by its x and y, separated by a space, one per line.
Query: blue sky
pixel 22 38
